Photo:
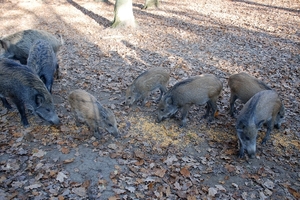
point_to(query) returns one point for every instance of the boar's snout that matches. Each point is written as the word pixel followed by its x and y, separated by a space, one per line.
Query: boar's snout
pixel 113 130
pixel 55 120
pixel 116 134
pixel 251 151
pixel 50 117
pixel 159 119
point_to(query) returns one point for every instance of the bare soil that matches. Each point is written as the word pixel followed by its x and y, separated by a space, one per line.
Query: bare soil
pixel 151 160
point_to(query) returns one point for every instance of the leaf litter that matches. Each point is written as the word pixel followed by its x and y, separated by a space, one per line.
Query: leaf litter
pixel 151 160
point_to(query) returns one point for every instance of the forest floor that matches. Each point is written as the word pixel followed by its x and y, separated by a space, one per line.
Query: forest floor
pixel 151 160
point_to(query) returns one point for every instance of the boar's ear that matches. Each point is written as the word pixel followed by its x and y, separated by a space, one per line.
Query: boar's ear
pixel 260 123
pixel 3 44
pixel 169 100
pixel 39 99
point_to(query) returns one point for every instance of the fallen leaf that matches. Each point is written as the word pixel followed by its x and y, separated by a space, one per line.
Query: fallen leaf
pixel 61 176
pixel 160 172
pixel 130 189
pixel 212 191
pixel 39 153
pixel 68 161
pixel 294 192
pixel 185 172
pixel 269 184
pixel 33 186
pixel 65 150
pixel 81 191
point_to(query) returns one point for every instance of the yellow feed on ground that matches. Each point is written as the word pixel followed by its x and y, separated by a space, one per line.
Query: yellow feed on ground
pixel 146 127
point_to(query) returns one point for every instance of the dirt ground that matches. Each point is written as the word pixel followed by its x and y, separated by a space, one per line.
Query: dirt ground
pixel 155 160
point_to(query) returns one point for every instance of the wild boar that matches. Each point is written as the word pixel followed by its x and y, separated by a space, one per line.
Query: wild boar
pixel 43 61
pixel 243 87
pixel 197 90
pixel 145 83
pixel 264 107
pixel 87 109
pixel 24 87
pixel 17 45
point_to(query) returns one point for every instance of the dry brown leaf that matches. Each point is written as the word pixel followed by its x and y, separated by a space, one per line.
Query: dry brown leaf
pixel 230 168
pixel 185 172
pixel 139 162
pixel 86 184
pixel 295 193
pixel 68 160
pixel 60 197
pixel 160 172
pixel 65 150
pixel 113 198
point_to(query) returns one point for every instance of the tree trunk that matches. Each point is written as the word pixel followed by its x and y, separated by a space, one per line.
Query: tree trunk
pixel 150 3
pixel 123 14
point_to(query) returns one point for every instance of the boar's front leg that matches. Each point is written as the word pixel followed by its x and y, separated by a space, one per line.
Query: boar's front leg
pixel 21 108
pixel 242 149
pixel 233 97
pixel 97 134
pixel 270 125
pixel 163 90
pixel 5 103
pixel 184 112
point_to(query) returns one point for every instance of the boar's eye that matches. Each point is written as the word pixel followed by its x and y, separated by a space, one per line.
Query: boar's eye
pixel 47 109
pixel 110 125
pixel 162 110
pixel 247 138
pixel 129 97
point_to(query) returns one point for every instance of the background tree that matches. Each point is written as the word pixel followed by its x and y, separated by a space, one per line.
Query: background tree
pixel 123 14
pixel 150 3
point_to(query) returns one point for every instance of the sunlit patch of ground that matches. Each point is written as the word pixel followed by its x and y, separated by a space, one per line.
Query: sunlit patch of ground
pixel 163 133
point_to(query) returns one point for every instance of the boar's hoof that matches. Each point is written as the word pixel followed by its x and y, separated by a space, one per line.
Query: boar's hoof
pixel 182 125
pixel 204 116
pixel 6 104
pixel 158 120
pixel 241 154
pixel 251 156
pixel 277 126
pixel 97 135
pixel 264 141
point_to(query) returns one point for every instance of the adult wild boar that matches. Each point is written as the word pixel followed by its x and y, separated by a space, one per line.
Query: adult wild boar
pixel 16 46
pixel 243 87
pixel 43 61
pixel 24 87
pixel 87 109
pixel 264 107
pixel 197 90
pixel 145 83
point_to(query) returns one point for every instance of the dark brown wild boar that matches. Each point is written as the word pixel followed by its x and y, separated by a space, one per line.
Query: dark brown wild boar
pixel 243 87
pixel 87 109
pixel 197 90
pixel 16 46
pixel 25 88
pixel 43 61
pixel 145 83
pixel 264 107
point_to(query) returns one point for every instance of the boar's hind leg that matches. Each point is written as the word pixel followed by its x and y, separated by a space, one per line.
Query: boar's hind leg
pixel 270 125
pixel 211 104
pixel 5 103
pixel 21 109
pixel 232 100
pixel 57 71
pixel 163 90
